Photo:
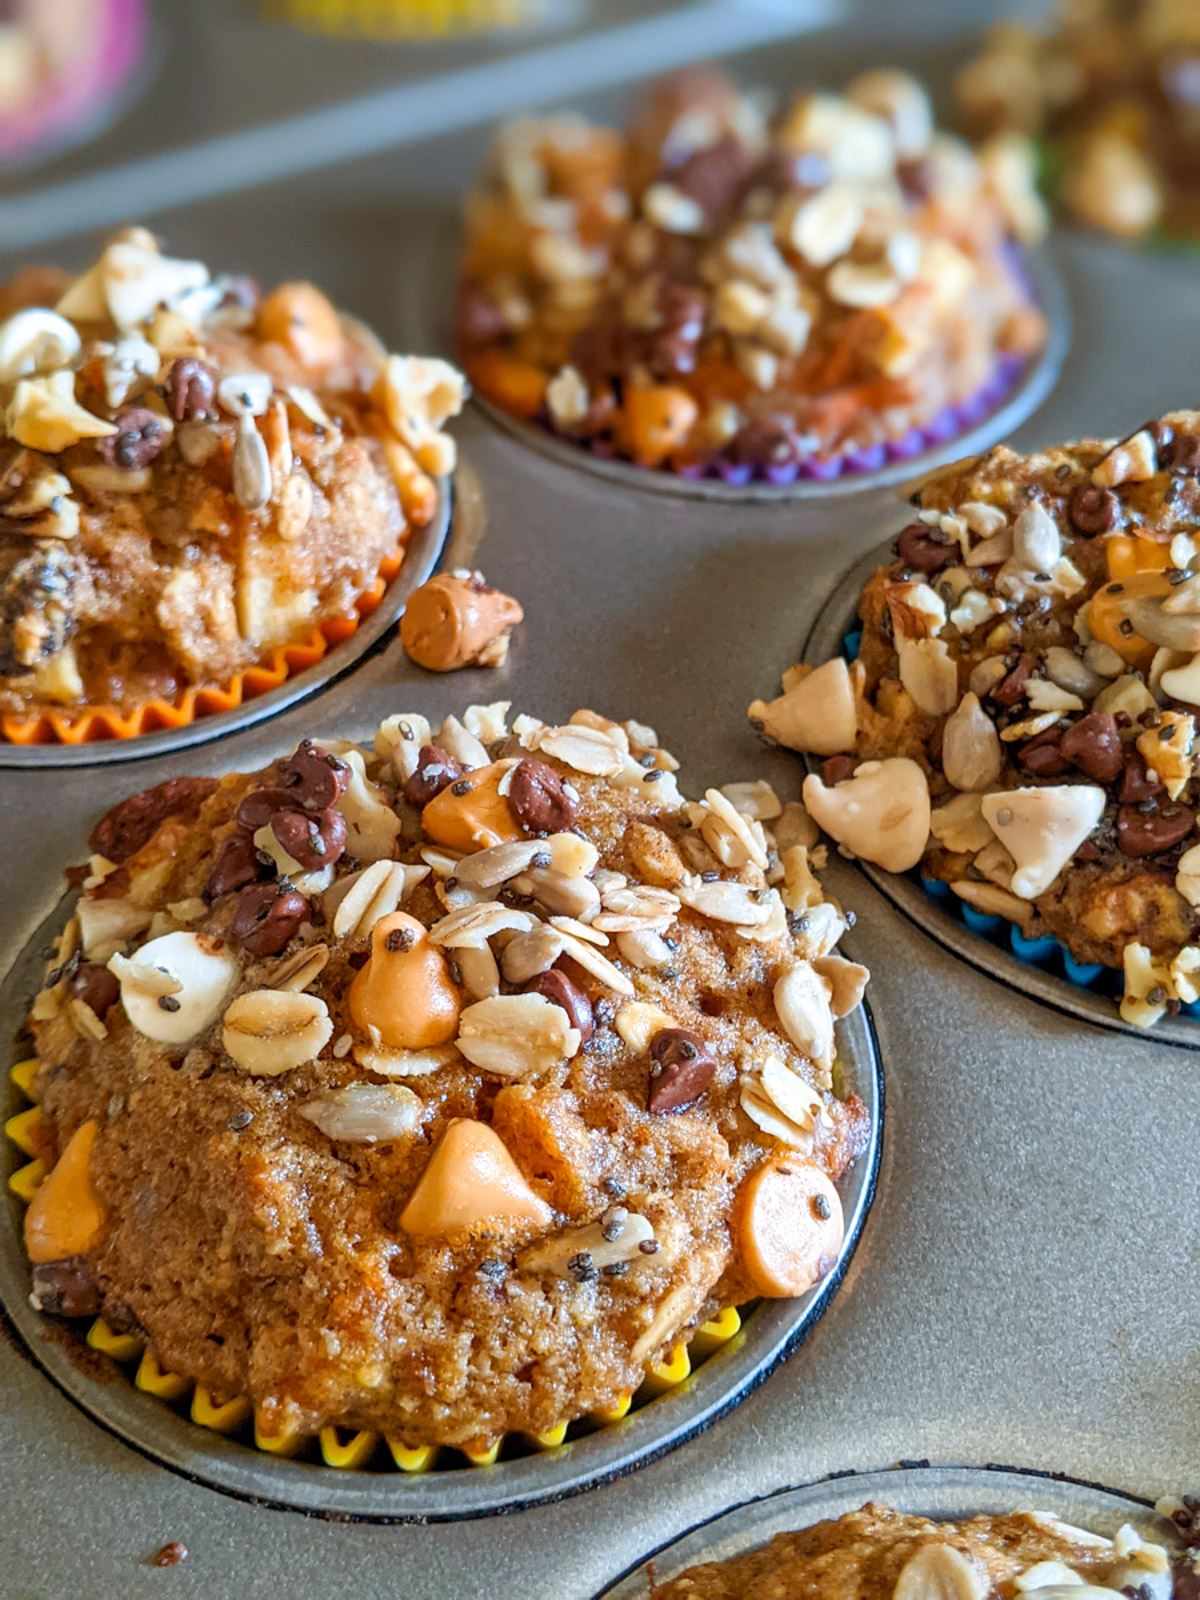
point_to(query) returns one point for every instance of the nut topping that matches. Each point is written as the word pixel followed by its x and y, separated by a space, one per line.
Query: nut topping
pixel 271 1031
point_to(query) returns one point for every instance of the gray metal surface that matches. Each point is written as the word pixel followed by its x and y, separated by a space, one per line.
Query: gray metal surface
pixel 837 617
pixel 1023 1289
pixel 941 1493
pixel 103 1390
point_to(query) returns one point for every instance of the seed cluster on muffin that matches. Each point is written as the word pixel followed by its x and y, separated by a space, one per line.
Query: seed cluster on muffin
pixel 440 1086
pixel 193 474
pixel 716 290
pixel 1021 718
pixel 878 1553
pixel 1110 88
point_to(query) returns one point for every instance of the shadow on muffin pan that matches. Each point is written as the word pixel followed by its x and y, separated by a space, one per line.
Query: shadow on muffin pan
pixel 291 673
pixel 1012 394
pixel 343 1474
pixel 1042 968
pixel 939 1493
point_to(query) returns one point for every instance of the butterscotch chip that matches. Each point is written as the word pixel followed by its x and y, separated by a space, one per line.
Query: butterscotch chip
pixel 456 620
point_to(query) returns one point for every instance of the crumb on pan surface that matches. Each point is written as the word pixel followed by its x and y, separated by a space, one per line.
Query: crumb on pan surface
pixel 440 1086
pixel 1021 718
pixel 716 289
pixel 878 1553
pixel 1109 90
pixel 193 476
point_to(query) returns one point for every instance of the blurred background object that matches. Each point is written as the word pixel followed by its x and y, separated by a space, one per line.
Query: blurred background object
pixel 418 19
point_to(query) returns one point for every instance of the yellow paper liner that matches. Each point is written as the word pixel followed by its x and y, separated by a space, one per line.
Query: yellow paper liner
pixel 343 1448
pixel 97 724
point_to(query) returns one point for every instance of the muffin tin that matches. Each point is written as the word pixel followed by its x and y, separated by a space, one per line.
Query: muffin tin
pixel 1020 1293
pixel 1041 967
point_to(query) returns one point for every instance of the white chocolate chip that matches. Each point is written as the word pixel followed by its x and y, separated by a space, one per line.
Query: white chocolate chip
pixel 1042 828
pixel 201 970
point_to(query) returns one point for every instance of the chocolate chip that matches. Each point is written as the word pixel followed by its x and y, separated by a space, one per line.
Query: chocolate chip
pixel 237 864
pixel 1187 1521
pixel 67 1288
pixel 540 800
pixel 435 771
pixel 681 1069
pixel 95 986
pixel 1138 781
pixel 268 916
pixel 556 987
pixel 314 842
pixel 134 822
pixel 923 548
pixel 315 778
pixel 189 390
pixel 674 343
pixel 1013 687
pixel 399 940
pixel 1093 744
pixel 764 442
pixel 1093 510
pixel 837 769
pixel 1182 455
pixel 1043 754
pixel 1146 833
pixel 714 175
pixel 140 436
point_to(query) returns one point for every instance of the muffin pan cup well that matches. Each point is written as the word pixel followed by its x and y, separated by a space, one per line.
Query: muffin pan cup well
pixel 344 1474
pixel 1042 968
pixel 289 675
pixel 1013 393
pixel 940 1493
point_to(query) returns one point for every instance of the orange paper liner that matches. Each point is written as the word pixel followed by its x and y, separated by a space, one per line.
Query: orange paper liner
pixel 344 1448
pixel 96 724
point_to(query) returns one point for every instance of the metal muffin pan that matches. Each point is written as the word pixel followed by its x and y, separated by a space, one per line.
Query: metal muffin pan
pixel 940 1493
pixel 421 554
pixel 769 1333
pixel 984 422
pixel 836 619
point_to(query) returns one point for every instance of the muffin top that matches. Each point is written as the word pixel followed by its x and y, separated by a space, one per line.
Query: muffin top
pixel 440 1087
pixel 1110 88
pixel 193 475
pixel 716 289
pixel 881 1554
pixel 1022 711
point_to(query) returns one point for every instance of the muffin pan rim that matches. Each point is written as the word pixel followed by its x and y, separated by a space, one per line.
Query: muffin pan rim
pixel 1027 394
pixel 922 1487
pixel 836 617
pixel 770 1333
pixel 423 550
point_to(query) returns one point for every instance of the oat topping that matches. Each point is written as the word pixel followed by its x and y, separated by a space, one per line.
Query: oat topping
pixel 712 290
pixel 1037 748
pixel 450 1006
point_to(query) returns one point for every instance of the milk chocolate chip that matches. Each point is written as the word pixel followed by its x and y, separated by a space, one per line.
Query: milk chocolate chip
pixel 539 798
pixel 128 826
pixel 95 986
pixel 1093 510
pixel 67 1288
pixel 1145 833
pixel 556 987
pixel 455 620
pixel 1094 745
pixel 314 778
pixel 268 916
pixel 314 842
pixel 435 771
pixel 237 864
pixel 925 549
pixel 681 1069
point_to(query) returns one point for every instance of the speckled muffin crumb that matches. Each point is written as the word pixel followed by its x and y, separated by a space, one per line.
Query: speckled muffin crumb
pixel 440 1086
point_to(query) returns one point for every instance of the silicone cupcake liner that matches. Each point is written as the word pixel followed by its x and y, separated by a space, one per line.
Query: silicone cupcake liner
pixel 1015 389
pixel 104 733
pixel 1043 966
pixel 942 1493
pixel 342 1472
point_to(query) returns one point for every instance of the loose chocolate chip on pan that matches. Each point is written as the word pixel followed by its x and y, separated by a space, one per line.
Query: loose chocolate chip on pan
pixel 1093 510
pixel 189 390
pixel 1147 832
pixel 314 842
pixel 67 1288
pixel 95 986
pixel 237 864
pixel 435 771
pixel 315 778
pixel 556 987
pixel 140 436
pixel 923 548
pixel 268 916
pixel 540 800
pixel 131 824
pixel 1094 745
pixel 681 1069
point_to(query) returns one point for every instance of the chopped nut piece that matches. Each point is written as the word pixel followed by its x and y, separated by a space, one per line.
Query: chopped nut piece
pixel 272 1031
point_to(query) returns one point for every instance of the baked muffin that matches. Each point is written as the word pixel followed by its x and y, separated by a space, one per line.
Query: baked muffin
pixel 713 291
pixel 881 1554
pixel 1110 88
pixel 439 1087
pixel 1020 720
pixel 193 475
